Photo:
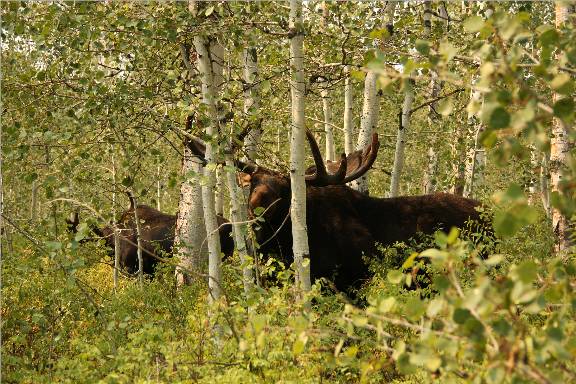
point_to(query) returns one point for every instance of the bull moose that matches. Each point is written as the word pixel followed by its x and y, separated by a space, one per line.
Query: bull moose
pixel 343 224
pixel 158 229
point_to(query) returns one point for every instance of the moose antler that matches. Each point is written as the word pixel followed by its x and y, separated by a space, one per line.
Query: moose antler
pixel 321 177
pixel 347 169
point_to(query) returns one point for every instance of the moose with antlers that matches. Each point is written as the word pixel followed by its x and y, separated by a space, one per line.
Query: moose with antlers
pixel 157 237
pixel 343 224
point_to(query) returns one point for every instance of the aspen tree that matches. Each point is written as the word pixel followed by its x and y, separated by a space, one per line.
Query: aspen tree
pixel 203 49
pixel 297 145
pixel 558 150
pixel 251 101
pixel 430 174
pixel 348 113
pixel 190 228
pixel 370 106
pixel 401 137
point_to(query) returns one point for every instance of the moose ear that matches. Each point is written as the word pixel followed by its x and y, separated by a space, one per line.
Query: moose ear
pixel 244 179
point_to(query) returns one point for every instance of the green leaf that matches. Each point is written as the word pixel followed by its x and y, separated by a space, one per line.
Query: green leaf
pixel 395 276
pixel 209 10
pixel 435 306
pixel 473 24
pixel 360 321
pixel 527 271
pixel 265 86
pixel 461 315
pixel 499 118
pixel 445 106
pixel 298 347
pixel 423 46
pixel 562 84
pixel 387 304
pixel 549 37
pixel 448 50
pixel 414 308
pixel 564 108
pixel 410 261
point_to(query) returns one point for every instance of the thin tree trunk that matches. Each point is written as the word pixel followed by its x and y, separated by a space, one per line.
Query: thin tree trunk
pixel 190 229
pixel 348 113
pixel 297 145
pixel 431 174
pixel 239 226
pixel 251 101
pixel 458 153
pixel 535 165
pixel 368 123
pixel 558 150
pixel 116 229
pixel 134 204
pixel 475 164
pixel 203 49
pixel 401 138
pixel 328 130
pixel 220 184
pixel 251 145
pixel 545 185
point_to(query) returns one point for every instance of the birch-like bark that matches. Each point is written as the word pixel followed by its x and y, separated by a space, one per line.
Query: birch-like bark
pixel 239 226
pixel 458 150
pixel 219 191
pixel 401 138
pixel 297 145
pixel 532 176
pixel 251 145
pixel 116 229
pixel 431 173
pixel 348 113
pixel 475 159
pixel 328 130
pixel 134 204
pixel 190 229
pixel 205 68
pixel 545 185
pixel 475 164
pixel 251 102
pixel 558 150
pixel 368 123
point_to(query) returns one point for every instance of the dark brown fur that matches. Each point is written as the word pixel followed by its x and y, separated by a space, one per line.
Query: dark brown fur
pixel 157 237
pixel 344 224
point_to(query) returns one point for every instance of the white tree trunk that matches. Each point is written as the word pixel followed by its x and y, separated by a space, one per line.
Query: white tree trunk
pixel 545 185
pixel 475 159
pixel 328 130
pixel 431 174
pixel 368 123
pixel 220 184
pixel 190 228
pixel 297 145
pixel 348 113
pixel 401 138
pixel 251 101
pixel 239 225
pixel 115 220
pixel 134 203
pixel 475 164
pixel 203 49
pixel 558 150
